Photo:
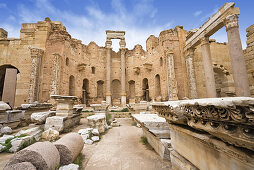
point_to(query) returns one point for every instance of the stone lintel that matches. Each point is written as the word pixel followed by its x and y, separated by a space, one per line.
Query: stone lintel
pixel 212 25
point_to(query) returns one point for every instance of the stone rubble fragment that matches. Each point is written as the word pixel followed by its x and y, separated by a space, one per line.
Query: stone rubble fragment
pixel 88 141
pixel 4 138
pixel 69 167
pixel 95 138
pixel 6 130
pixel 50 134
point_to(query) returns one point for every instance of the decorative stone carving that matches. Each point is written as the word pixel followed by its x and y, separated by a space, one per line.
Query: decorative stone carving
pixel 36 55
pixel 230 119
pixel 231 21
pixel 55 83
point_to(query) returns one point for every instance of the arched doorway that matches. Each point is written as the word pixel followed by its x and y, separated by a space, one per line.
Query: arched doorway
pixel 8 81
pixel 223 81
pixel 157 88
pixel 145 89
pixel 72 85
pixel 85 91
pixel 100 92
pixel 116 92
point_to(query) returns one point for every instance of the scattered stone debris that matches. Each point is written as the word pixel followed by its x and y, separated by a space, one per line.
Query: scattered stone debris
pixel 115 123
pixel 89 135
pixel 35 132
pixel 98 122
pixel 69 167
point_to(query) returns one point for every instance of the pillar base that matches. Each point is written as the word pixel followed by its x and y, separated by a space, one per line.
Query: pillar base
pixel 108 98
pixel 123 100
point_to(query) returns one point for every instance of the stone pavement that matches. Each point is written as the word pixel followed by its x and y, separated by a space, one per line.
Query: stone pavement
pixel 121 149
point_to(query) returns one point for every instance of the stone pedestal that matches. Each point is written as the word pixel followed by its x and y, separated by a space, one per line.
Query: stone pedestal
pixel 236 56
pixel 64 105
pixel 123 99
pixel 208 68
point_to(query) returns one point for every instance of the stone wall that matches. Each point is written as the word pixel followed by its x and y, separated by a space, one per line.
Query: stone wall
pixel 222 70
pixel 249 57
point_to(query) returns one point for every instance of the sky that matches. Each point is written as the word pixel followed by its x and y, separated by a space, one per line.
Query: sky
pixel 88 20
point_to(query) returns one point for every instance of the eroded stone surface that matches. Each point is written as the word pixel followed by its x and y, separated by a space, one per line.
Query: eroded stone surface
pixel 40 117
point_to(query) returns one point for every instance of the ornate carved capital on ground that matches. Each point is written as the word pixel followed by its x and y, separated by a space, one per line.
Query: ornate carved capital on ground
pixel 230 119
pixel 231 21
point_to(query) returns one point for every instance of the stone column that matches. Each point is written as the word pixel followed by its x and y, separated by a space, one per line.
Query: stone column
pixel 108 71
pixel 172 83
pixel 55 82
pixel 208 68
pixel 191 73
pixel 123 89
pixel 236 56
pixel 36 55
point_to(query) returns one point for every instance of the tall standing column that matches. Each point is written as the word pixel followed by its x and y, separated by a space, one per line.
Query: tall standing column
pixel 208 68
pixel 191 74
pixel 236 56
pixel 108 71
pixel 36 55
pixel 123 92
pixel 172 83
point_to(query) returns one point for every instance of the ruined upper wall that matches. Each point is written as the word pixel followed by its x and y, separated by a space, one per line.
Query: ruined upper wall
pixel 249 57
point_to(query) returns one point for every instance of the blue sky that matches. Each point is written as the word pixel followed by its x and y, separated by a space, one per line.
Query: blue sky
pixel 87 20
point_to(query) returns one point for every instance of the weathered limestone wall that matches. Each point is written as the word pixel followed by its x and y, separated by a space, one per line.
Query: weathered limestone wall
pixel 16 52
pixel 222 70
pixel 249 57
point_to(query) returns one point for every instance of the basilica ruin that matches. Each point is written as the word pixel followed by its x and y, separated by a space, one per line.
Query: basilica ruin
pixel 203 89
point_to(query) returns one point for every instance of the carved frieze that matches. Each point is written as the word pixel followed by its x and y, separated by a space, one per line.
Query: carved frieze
pixel 230 119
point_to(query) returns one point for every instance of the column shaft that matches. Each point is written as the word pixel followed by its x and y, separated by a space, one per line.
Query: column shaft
pixel 108 74
pixel 236 56
pixel 208 68
pixel 191 74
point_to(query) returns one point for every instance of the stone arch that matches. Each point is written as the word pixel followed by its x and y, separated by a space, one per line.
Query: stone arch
pixel 85 91
pixel 157 87
pixel 223 81
pixel 145 89
pixel 116 89
pixel 132 89
pixel 100 91
pixel 72 86
pixel 8 80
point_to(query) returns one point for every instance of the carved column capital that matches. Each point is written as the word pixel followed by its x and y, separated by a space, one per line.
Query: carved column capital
pixel 204 40
pixel 190 52
pixel 108 43
pixel 36 52
pixel 168 52
pixel 231 21
pixel 122 43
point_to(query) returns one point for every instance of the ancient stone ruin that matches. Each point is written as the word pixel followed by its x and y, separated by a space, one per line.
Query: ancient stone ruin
pixel 68 105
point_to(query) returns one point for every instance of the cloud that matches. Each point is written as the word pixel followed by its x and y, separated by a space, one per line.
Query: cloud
pixel 91 24
pixel 2 5
pixel 197 13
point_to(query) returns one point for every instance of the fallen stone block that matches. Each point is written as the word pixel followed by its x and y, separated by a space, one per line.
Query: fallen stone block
pixel 69 147
pixel 40 117
pixel 50 135
pixel 97 122
pixel 4 138
pixel 4 106
pixel 55 122
pixel 69 167
pixel 6 130
pixel 17 143
pixel 43 155
pixel 22 165
pixel 33 132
